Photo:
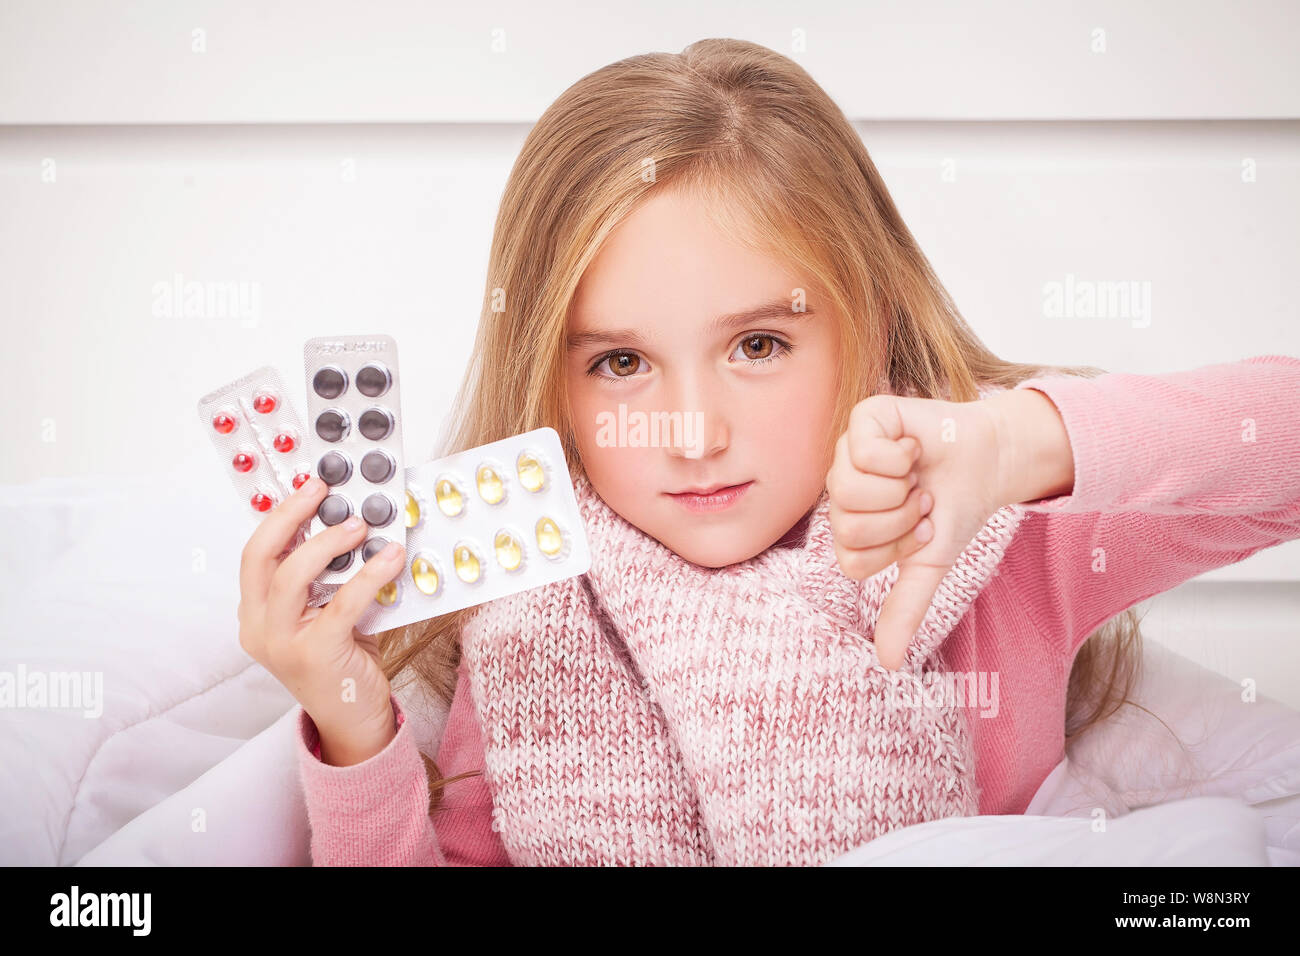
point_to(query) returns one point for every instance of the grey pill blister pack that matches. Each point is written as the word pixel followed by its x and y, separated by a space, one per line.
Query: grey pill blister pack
pixel 480 524
pixel 354 439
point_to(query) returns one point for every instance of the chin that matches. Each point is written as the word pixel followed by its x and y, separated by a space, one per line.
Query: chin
pixel 711 557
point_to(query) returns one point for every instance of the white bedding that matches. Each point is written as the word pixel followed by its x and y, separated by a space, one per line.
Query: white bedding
pixel 191 761
pixel 1203 831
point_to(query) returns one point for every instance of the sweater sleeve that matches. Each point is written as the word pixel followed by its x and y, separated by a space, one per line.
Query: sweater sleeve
pixel 374 813
pixel 1174 475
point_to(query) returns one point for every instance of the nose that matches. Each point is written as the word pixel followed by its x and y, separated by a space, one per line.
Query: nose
pixel 703 427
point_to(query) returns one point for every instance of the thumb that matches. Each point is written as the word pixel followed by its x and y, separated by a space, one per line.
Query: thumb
pixel 904 609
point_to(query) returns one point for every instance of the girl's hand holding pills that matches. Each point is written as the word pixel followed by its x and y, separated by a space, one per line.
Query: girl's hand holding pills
pixel 316 652
pixel 913 481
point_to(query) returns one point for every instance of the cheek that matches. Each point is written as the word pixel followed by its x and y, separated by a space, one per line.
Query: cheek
pixel 805 401
pixel 624 477
pixel 802 407
pixel 586 402
pixel 608 464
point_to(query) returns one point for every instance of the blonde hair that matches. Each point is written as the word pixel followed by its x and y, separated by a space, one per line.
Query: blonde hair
pixel 779 168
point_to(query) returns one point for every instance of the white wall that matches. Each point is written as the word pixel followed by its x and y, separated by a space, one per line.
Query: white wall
pixel 346 162
pixel 298 61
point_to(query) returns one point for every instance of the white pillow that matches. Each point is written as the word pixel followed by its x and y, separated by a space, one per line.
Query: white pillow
pixel 1214 744
pixel 1205 831
pixel 252 804
pixel 124 577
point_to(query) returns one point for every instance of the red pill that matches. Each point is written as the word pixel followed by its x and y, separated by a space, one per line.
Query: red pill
pixel 224 422
pixel 244 461
pixel 286 442
pixel 265 402
pixel 263 502
pixel 300 479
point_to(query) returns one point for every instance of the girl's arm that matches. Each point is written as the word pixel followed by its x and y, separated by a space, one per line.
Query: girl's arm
pixel 375 813
pixel 1173 475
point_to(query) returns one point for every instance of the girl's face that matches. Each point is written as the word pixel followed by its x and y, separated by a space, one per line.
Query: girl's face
pixel 688 368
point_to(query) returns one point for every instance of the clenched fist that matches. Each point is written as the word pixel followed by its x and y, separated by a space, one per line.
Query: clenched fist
pixel 913 481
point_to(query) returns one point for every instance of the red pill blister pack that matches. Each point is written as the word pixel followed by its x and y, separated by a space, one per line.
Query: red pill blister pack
pixel 259 434
pixel 260 440
pixel 354 442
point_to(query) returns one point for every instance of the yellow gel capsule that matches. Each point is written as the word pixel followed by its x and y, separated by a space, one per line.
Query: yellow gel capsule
pixel 425 575
pixel 531 473
pixel 549 539
pixel 490 486
pixel 412 511
pixel 510 553
pixel 449 497
pixel 466 562
pixel 387 595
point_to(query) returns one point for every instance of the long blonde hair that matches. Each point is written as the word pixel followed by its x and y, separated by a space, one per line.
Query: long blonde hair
pixel 747 132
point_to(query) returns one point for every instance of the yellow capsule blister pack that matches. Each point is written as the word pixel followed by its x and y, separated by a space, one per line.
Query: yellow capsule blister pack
pixel 481 524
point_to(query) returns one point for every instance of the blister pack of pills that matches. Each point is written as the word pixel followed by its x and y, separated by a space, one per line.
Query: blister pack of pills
pixel 257 431
pixel 354 441
pixel 258 436
pixel 480 524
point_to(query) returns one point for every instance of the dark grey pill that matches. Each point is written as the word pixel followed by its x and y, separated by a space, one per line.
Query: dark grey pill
pixel 373 547
pixel 334 510
pixel 334 468
pixel 373 380
pixel 378 511
pixel 377 467
pixel 376 423
pixel 332 425
pixel 330 382
pixel 341 563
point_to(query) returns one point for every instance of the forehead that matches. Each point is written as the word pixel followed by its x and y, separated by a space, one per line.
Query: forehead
pixel 669 256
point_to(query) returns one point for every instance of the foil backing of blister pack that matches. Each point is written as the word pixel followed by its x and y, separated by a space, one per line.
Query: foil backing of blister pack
pixel 354 439
pixel 481 524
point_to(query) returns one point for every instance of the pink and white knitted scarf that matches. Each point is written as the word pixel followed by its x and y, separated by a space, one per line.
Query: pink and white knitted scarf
pixel 656 712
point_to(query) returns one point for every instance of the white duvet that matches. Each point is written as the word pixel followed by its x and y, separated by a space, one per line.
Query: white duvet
pixel 192 760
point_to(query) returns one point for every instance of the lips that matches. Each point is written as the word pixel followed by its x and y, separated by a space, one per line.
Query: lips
pixel 711 499
pixel 708 490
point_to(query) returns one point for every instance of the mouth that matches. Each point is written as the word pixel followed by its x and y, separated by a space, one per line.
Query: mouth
pixel 710 497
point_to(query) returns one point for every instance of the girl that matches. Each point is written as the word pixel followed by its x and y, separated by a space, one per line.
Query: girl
pixel 860 596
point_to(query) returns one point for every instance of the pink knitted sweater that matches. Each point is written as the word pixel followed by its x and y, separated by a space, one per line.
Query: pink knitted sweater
pixel 1175 474
pixel 656 712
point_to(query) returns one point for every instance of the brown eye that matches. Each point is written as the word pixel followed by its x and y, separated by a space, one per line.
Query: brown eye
pixel 756 343
pixel 624 364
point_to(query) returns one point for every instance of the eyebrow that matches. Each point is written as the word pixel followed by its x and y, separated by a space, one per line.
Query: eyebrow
pixel 776 309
